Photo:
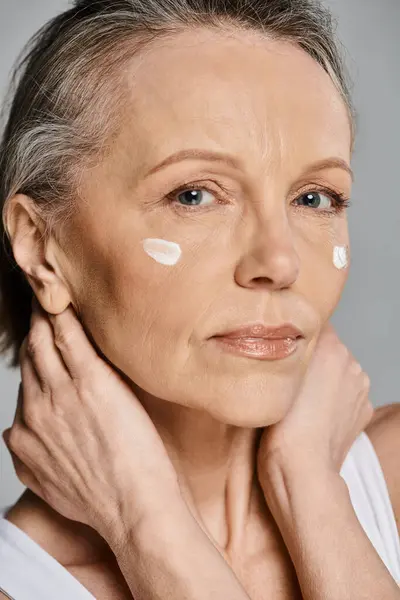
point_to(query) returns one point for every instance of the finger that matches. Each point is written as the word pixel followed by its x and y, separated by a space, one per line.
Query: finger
pixel 24 446
pixel 41 348
pixel 21 418
pixel 25 475
pixel 32 384
pixel 73 343
pixel 328 332
pixel 18 417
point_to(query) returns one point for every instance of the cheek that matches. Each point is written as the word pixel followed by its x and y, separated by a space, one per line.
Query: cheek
pixel 325 259
pixel 143 284
pixel 151 301
pixel 137 305
pixel 327 290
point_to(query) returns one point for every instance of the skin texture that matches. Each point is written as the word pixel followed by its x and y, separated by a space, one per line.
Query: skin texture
pixel 255 256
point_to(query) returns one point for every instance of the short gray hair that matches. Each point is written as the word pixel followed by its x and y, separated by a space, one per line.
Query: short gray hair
pixel 67 91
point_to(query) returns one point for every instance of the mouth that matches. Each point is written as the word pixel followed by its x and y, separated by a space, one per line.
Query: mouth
pixel 260 341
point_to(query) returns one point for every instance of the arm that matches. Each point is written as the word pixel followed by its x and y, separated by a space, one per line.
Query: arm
pixel 333 557
pixel 116 475
pixel 169 557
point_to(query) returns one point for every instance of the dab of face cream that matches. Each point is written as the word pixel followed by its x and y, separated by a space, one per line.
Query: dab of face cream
pixel 340 257
pixel 166 253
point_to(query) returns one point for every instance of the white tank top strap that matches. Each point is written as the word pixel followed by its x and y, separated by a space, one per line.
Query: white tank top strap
pixel 370 498
pixel 28 572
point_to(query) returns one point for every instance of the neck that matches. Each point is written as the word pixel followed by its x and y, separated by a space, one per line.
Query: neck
pixel 216 468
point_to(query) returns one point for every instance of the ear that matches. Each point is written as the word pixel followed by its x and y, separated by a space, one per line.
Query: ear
pixel 35 254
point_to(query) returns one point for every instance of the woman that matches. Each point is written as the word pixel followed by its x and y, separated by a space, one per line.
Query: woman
pixel 187 247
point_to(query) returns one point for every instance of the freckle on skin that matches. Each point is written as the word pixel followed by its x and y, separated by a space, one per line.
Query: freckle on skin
pixel 164 252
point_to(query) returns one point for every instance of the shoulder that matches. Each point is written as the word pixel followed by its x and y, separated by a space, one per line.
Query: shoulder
pixel 384 433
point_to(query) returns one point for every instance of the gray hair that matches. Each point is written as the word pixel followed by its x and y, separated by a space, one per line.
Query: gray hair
pixel 68 90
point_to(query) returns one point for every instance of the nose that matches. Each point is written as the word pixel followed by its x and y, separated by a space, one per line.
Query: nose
pixel 271 259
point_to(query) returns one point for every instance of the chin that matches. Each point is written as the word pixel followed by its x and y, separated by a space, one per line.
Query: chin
pixel 247 402
pixel 242 393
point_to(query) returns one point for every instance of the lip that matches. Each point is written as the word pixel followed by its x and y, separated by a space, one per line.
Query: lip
pixel 259 348
pixel 260 331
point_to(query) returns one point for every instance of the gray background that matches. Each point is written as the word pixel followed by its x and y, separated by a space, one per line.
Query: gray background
pixel 367 318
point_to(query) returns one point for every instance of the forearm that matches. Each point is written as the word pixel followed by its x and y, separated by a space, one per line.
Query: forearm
pixel 172 558
pixel 333 557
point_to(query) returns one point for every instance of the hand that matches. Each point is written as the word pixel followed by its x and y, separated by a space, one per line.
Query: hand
pixel 81 440
pixel 330 411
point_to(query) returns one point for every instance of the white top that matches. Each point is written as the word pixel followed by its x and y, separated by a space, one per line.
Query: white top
pixel 27 572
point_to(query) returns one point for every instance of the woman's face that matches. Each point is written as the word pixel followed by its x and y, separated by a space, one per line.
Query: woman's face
pixel 254 246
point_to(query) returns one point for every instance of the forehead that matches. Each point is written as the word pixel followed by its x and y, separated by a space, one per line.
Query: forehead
pixel 239 92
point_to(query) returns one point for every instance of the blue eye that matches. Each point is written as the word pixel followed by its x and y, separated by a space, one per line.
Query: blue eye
pixel 191 196
pixel 194 197
pixel 316 200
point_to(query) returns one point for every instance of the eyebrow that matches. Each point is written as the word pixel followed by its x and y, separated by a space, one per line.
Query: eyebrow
pixel 331 163
pixel 195 153
pixel 199 154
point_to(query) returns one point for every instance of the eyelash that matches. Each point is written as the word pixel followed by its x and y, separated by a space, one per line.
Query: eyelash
pixel 341 201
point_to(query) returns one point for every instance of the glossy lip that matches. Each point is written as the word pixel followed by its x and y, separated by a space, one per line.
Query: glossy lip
pixel 261 331
pixel 259 348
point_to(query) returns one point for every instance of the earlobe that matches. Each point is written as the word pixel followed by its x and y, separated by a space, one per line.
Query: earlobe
pixel 54 299
pixel 26 230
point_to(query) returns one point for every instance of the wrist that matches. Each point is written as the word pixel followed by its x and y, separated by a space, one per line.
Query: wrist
pixel 134 526
pixel 287 481
pixel 298 466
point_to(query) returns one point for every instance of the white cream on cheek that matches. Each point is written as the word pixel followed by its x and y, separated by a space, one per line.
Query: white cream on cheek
pixel 166 253
pixel 340 257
